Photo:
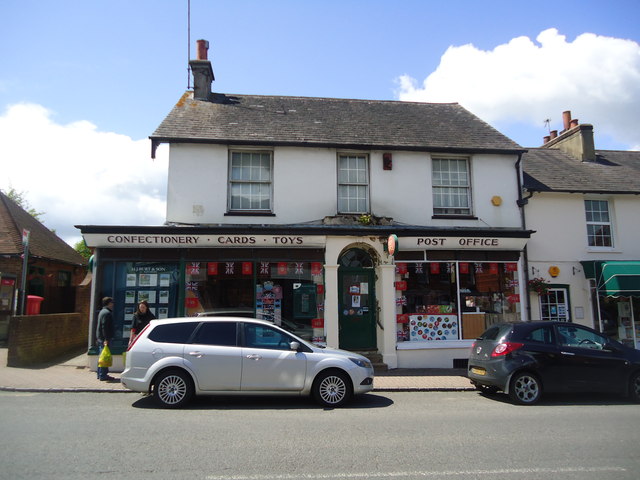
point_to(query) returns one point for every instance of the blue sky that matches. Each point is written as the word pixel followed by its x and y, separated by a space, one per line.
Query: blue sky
pixel 84 83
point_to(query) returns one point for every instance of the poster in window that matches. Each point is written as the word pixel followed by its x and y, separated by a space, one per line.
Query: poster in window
pixel 148 280
pixel 131 280
pixel 147 295
pixel 164 296
pixel 355 301
pixel 130 296
pixel 163 312
pixel 364 288
pixel 165 279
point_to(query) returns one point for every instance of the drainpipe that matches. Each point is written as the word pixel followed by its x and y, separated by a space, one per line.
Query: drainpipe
pixel 521 203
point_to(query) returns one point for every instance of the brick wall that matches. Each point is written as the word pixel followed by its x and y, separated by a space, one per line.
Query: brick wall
pixel 35 339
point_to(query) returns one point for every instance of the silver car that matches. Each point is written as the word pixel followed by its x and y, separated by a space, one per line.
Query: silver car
pixel 174 359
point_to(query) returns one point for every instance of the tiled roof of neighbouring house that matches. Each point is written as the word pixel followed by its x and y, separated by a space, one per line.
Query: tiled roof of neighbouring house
pixel 551 170
pixel 43 242
pixel 330 122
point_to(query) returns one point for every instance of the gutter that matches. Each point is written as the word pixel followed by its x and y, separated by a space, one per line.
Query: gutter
pixel 521 204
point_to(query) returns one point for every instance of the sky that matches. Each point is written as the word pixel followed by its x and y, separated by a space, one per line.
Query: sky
pixel 84 83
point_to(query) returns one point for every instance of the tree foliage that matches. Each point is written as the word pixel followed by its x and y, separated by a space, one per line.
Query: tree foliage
pixel 82 249
pixel 20 199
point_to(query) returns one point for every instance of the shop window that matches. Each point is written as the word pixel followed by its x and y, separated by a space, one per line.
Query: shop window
pixel 250 181
pixel 454 300
pixel 451 186
pixel 598 223
pixel 288 294
pixel 353 184
pixel 554 305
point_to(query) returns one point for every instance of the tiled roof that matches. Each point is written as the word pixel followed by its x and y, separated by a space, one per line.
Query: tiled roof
pixel 43 242
pixel 329 122
pixel 551 170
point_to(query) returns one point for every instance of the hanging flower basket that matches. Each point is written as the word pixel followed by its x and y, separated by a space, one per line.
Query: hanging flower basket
pixel 539 285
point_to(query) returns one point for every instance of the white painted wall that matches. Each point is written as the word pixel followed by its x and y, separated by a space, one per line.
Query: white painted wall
pixel 561 240
pixel 305 187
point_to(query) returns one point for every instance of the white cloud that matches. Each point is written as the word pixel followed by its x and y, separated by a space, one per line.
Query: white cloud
pixel 78 175
pixel 596 77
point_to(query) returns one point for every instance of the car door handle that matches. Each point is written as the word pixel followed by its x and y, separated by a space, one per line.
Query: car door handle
pixel 254 357
pixel 196 354
pixel 567 353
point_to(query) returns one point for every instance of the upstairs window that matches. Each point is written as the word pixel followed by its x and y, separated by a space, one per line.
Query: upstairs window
pixel 353 184
pixel 250 182
pixel 598 223
pixel 451 186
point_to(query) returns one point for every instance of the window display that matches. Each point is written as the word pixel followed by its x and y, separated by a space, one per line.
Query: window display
pixel 454 300
pixel 288 294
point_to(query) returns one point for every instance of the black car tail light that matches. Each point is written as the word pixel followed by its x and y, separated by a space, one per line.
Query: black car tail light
pixel 505 348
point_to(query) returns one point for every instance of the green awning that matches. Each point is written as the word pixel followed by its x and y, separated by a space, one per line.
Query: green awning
pixel 614 278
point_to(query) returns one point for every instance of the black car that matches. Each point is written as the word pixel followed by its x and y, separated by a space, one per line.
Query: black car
pixel 524 359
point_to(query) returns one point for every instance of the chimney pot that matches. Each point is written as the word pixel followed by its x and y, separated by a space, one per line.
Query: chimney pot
pixel 203 47
pixel 546 138
pixel 566 119
pixel 574 122
pixel 554 134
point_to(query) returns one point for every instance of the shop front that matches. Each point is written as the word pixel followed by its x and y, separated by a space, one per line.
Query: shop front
pixel 615 297
pixel 418 307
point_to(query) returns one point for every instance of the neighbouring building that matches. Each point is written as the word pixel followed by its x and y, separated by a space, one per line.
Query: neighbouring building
pixel 390 228
pixel 584 205
pixel 54 269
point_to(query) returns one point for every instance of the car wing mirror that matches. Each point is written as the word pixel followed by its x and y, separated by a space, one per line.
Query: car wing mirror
pixel 610 347
pixel 295 346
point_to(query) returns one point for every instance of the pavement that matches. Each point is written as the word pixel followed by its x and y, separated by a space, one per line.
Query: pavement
pixel 72 374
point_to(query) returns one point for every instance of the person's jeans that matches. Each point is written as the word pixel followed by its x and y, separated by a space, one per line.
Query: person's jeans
pixel 103 372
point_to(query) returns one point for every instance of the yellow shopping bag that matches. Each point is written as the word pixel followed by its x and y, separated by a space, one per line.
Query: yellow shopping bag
pixel 105 359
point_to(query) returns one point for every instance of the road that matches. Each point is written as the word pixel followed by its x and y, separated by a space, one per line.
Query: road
pixel 433 435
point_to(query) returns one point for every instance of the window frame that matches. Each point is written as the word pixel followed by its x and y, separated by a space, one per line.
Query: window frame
pixel 600 223
pixel 231 182
pixel 366 184
pixel 439 211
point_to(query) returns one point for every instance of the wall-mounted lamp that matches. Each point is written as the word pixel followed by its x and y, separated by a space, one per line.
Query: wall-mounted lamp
pixel 576 270
pixel 534 271
pixel 387 161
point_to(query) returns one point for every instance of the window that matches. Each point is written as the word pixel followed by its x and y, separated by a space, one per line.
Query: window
pixel 451 186
pixel 572 336
pixel 353 184
pixel 258 336
pixel 173 333
pixel 598 223
pixel 217 333
pixel 540 335
pixel 250 181
pixel 554 305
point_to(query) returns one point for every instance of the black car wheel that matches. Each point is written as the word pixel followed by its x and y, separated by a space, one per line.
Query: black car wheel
pixel 525 388
pixel 634 387
pixel 487 389
pixel 172 389
pixel 332 389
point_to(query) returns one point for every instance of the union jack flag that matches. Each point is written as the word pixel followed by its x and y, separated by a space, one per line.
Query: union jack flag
pixel 478 267
pixel 401 301
pixel 264 268
pixel 229 266
pixel 194 268
pixel 419 268
pixel 193 286
pixel 299 268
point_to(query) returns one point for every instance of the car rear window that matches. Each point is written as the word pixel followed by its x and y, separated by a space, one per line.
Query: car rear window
pixel 217 333
pixel 173 332
pixel 495 332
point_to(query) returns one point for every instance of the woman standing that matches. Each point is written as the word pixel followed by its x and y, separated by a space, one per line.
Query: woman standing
pixel 141 318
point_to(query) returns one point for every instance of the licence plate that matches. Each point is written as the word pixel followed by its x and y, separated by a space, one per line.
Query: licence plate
pixel 478 371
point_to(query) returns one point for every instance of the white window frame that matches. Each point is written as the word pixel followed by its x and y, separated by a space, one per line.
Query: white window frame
pixel 250 184
pixel 563 309
pixel 452 188
pixel 599 223
pixel 350 189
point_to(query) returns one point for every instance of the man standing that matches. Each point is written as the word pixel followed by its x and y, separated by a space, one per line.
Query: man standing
pixel 105 334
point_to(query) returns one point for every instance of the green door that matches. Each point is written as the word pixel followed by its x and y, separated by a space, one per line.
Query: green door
pixel 357 308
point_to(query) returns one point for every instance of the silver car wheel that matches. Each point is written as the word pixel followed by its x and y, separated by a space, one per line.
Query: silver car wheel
pixel 525 389
pixel 332 389
pixel 172 389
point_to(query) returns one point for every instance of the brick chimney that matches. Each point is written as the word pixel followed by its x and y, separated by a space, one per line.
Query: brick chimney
pixel 575 140
pixel 202 72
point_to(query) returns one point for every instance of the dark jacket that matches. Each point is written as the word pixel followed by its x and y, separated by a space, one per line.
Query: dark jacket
pixel 141 320
pixel 105 326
